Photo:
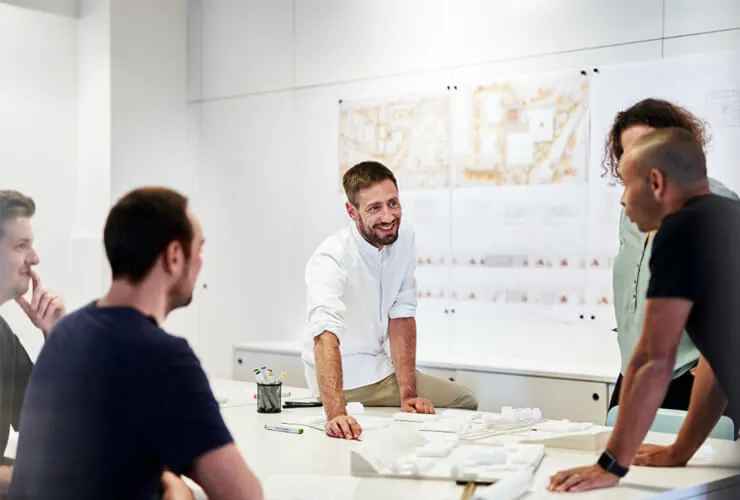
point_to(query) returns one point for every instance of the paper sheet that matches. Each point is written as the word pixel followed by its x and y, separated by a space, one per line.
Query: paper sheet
pixel 519 149
pixel 541 124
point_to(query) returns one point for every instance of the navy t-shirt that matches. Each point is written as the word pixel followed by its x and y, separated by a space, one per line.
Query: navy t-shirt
pixel 696 256
pixel 112 401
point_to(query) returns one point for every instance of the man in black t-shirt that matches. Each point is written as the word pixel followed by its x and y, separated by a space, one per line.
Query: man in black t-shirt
pixel 17 260
pixel 694 285
pixel 114 400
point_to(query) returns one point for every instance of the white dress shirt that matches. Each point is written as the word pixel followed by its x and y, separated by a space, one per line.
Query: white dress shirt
pixel 353 291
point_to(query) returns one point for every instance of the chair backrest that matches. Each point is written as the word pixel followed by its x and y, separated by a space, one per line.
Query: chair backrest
pixel 670 421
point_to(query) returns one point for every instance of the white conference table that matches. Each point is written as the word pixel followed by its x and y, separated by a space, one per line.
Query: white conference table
pixel 275 455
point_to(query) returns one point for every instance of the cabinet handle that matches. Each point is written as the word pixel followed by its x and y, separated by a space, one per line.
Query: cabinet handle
pixel 239 360
pixel 595 396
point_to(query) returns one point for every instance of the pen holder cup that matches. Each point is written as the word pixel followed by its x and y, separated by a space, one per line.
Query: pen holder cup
pixel 269 398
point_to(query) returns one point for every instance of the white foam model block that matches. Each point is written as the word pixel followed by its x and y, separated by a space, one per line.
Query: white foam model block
pixel 579 442
pixel 461 415
pixel 564 426
pixel 446 425
pixel 351 409
pixel 490 456
pixel 510 414
pixel 438 449
pixel 510 488
pixel 403 416
pixel 530 456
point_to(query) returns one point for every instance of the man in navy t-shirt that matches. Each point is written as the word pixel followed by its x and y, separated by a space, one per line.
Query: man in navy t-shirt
pixel 114 400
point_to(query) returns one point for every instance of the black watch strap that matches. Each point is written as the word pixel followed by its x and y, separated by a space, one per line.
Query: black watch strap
pixel 610 464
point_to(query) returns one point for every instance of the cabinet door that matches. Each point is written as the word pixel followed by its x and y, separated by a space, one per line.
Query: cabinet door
pixel 444 373
pixel 577 401
pixel 245 361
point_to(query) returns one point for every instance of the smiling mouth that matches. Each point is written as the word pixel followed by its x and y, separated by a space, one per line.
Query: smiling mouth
pixel 386 228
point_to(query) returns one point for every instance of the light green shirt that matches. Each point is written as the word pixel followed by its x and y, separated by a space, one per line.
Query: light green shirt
pixel 630 281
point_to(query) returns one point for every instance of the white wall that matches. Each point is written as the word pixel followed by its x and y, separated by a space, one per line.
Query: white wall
pixel 153 130
pixel 68 8
pixel 38 145
pixel 268 76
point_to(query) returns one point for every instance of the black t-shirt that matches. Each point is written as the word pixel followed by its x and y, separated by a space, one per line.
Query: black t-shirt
pixel 15 370
pixel 696 256
pixel 112 401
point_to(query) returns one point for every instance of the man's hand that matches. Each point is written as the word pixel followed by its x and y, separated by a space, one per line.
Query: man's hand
pixel 174 488
pixel 417 405
pixel 653 455
pixel 343 427
pixel 592 477
pixel 45 308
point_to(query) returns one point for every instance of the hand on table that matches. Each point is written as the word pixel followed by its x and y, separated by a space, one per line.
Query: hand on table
pixel 417 405
pixel 591 477
pixel 653 455
pixel 45 308
pixel 174 488
pixel 343 427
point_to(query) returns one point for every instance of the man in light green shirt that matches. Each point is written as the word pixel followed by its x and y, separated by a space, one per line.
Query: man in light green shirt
pixel 630 281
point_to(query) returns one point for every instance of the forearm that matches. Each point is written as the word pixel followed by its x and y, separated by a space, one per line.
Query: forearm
pixel 329 374
pixel 402 335
pixel 706 406
pixel 644 388
pixel 6 473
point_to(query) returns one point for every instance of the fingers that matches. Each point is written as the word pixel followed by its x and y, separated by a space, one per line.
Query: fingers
pixel 43 305
pixel 35 279
pixel 344 427
pixel 346 430
pixel 356 429
pixel 427 406
pixel 25 305
pixel 563 478
pixel 38 291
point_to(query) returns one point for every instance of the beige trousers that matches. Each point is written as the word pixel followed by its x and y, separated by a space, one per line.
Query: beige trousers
pixel 442 393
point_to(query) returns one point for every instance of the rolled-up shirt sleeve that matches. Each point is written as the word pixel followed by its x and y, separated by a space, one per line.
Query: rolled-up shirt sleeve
pixel 325 278
pixel 405 304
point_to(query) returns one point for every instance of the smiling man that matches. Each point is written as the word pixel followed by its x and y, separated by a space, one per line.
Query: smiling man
pixel 694 285
pixel 361 335
pixel 17 259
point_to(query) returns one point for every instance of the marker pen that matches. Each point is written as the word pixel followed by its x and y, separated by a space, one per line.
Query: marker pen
pixel 284 428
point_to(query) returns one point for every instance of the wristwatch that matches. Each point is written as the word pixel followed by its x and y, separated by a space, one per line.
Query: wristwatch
pixel 610 464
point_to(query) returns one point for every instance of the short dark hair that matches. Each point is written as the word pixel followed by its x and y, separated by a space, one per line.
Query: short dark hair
pixel 675 151
pixel 655 113
pixel 14 204
pixel 362 176
pixel 139 228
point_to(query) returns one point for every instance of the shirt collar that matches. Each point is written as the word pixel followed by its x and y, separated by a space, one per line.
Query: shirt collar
pixel 365 247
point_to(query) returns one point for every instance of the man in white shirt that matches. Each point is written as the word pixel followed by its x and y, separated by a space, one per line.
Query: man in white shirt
pixel 361 344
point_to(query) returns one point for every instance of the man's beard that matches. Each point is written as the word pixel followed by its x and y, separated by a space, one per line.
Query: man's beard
pixel 374 238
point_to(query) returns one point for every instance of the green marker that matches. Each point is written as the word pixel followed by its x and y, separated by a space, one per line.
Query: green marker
pixel 284 428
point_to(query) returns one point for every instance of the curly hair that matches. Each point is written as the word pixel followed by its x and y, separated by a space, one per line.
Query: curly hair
pixel 655 113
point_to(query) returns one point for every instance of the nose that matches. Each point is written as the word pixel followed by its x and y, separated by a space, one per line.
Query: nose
pixel 388 214
pixel 33 259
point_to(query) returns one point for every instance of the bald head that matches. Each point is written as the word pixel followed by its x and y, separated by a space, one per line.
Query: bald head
pixel 675 152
